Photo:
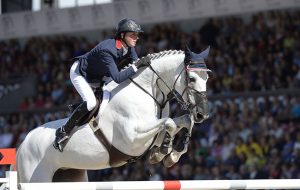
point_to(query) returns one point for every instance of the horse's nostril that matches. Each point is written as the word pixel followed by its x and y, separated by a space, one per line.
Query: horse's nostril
pixel 206 116
pixel 199 116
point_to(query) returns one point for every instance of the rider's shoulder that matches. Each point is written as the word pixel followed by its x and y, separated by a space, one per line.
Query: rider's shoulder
pixel 108 45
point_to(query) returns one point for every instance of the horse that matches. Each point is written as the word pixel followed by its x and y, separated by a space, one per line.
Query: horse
pixel 134 122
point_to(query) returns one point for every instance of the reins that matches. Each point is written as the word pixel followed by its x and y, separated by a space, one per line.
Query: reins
pixel 173 93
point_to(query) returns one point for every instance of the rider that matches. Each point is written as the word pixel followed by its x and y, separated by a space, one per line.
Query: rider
pixel 96 66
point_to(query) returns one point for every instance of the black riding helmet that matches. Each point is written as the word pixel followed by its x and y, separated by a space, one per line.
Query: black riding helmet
pixel 127 25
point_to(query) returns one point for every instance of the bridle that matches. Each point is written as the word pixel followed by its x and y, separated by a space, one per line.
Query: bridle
pixel 173 93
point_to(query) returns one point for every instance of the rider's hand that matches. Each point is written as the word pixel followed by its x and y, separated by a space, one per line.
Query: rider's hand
pixel 144 62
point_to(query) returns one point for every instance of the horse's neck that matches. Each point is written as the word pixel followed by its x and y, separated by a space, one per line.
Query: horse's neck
pixel 167 68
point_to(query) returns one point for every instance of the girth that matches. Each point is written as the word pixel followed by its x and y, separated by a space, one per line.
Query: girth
pixel 116 157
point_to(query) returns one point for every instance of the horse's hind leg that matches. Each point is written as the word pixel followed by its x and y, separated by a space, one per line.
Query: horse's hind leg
pixel 70 175
pixel 30 168
pixel 43 171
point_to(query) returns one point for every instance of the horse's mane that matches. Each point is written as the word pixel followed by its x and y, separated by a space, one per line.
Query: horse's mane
pixel 154 56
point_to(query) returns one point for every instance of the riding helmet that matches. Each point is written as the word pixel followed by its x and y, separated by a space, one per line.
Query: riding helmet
pixel 127 25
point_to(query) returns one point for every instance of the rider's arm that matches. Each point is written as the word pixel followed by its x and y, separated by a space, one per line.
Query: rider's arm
pixel 113 70
pixel 134 58
pixel 133 55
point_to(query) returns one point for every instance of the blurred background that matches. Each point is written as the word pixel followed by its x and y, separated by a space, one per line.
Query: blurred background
pixel 253 131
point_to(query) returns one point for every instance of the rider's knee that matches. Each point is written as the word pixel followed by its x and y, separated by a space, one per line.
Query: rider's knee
pixel 91 104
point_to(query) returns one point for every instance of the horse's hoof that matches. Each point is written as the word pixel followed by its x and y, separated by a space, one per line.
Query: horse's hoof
pixel 167 145
pixel 155 156
pixel 170 160
pixel 154 159
pixel 165 150
pixel 182 141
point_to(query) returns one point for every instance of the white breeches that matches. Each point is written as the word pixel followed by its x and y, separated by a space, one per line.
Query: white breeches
pixel 83 87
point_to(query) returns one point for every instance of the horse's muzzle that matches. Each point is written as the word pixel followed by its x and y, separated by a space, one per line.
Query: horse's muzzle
pixel 200 117
pixel 200 110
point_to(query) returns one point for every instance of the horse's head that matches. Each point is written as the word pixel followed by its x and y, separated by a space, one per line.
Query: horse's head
pixel 189 87
pixel 196 77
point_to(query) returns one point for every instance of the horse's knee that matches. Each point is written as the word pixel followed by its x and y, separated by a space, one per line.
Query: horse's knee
pixel 170 126
pixel 183 121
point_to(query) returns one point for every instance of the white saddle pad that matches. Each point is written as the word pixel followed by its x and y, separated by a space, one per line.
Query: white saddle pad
pixel 105 100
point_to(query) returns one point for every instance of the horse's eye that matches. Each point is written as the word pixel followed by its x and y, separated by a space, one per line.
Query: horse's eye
pixel 191 79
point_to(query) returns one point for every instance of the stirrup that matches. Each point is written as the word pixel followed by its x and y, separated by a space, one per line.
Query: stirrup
pixel 60 139
pixel 58 147
pixel 61 144
pixel 63 139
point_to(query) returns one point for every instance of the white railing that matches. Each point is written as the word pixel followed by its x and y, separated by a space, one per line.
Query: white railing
pixel 168 185
pixel 10 181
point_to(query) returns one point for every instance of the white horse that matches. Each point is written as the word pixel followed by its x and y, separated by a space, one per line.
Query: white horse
pixel 130 121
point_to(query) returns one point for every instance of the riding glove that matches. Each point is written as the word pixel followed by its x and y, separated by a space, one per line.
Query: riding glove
pixel 144 62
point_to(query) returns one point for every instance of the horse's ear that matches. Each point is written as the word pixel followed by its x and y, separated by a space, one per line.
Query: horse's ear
pixel 188 53
pixel 204 54
pixel 191 57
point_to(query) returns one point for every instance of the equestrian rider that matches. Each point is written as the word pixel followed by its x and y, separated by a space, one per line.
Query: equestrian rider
pixel 99 63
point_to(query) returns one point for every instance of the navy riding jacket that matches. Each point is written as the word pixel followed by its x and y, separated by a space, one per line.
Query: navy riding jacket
pixel 103 60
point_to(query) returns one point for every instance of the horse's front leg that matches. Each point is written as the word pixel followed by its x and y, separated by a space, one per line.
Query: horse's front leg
pixel 180 122
pixel 176 153
pixel 152 128
pixel 184 121
pixel 165 145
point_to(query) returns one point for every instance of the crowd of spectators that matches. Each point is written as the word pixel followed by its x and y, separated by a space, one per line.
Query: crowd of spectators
pixel 251 138
pixel 245 138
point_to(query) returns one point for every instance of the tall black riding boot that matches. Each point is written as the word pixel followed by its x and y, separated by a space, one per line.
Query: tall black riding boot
pixel 62 133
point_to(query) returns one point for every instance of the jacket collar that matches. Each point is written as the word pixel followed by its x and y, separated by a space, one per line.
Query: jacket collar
pixel 118 44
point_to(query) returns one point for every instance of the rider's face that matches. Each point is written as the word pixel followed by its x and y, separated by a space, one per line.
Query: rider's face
pixel 131 38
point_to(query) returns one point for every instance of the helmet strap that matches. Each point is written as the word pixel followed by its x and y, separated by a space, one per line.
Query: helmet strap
pixel 123 39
